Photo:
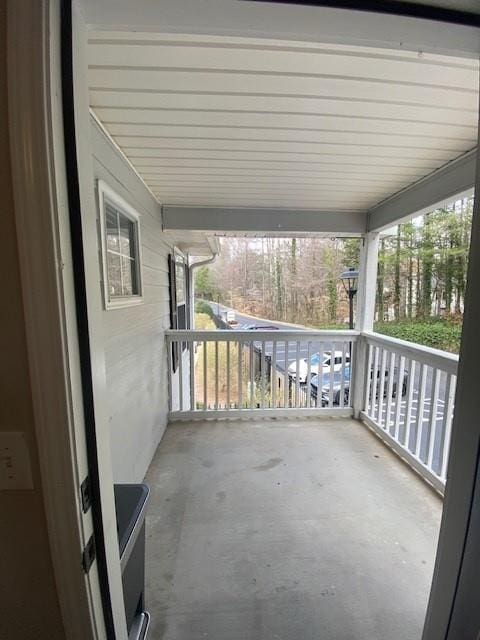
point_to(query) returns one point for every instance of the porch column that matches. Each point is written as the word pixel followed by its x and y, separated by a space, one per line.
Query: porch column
pixel 367 286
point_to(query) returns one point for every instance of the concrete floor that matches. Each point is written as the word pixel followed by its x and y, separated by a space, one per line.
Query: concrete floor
pixel 286 530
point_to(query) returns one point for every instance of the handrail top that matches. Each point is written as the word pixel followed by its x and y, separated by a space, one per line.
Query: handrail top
pixel 221 335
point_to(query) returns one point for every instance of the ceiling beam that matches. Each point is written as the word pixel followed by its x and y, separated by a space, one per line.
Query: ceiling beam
pixel 285 22
pixel 263 220
pixel 454 180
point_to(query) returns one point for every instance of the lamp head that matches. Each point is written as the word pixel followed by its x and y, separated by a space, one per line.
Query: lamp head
pixel 349 279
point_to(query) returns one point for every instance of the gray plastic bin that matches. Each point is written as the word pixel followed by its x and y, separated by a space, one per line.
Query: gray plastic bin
pixel 130 503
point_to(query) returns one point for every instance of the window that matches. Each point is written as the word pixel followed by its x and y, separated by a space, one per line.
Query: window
pixel 121 249
pixel 179 298
pixel 180 280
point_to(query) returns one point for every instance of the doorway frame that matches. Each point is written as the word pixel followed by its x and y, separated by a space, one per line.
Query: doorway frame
pixel 42 218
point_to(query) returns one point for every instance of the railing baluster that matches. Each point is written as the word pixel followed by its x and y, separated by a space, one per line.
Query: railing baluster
pixel 273 374
pixel 408 411
pixel 286 381
pixel 320 375
pixel 391 372
pixel 170 373
pixel 297 375
pixel 216 374
pixel 368 381
pixel 420 408
pixel 381 387
pixel 252 394
pixel 262 373
pixel 343 369
pixel 432 425
pixel 205 396
pixel 398 404
pixel 228 373
pixel 240 373
pixel 374 382
pixel 447 423
pixel 308 398
pixel 352 365
pixel 332 375
pixel 180 375
pixel 191 352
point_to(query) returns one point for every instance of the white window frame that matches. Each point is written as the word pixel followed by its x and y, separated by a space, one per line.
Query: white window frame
pixel 107 194
pixel 183 259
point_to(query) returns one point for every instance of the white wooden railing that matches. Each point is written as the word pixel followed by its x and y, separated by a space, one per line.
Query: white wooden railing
pixel 402 391
pixel 227 372
pixel 412 409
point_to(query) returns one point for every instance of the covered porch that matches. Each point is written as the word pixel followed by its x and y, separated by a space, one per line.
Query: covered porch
pixel 286 528
pixel 277 511
pixel 136 130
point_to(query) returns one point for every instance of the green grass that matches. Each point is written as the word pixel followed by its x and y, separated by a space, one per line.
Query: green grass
pixel 331 326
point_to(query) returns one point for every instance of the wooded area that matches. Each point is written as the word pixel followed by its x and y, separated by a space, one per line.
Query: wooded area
pixel 421 274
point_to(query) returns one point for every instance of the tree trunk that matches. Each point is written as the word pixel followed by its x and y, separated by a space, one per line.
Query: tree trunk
pixel 293 275
pixel 410 287
pixel 380 278
pixel 396 285
pixel 427 271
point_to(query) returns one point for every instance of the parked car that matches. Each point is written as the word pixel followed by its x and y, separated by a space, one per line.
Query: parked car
pixel 260 327
pixel 230 317
pixel 315 364
pixel 324 380
pixel 326 377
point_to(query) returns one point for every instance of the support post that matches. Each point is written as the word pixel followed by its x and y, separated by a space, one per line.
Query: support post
pixel 367 282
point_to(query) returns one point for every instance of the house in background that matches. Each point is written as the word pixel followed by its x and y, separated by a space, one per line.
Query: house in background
pixel 135 133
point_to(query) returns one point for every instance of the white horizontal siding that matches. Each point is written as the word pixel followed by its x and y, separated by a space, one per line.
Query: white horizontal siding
pixel 135 355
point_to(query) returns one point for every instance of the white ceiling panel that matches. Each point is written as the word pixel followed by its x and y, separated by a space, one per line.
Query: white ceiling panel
pixel 192 81
pixel 220 103
pixel 232 122
pixel 272 122
pixel 370 148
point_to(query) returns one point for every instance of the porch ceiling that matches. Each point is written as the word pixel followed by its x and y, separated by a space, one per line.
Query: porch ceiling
pixel 217 121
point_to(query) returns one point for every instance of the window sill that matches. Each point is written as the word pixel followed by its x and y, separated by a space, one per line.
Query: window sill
pixel 122 303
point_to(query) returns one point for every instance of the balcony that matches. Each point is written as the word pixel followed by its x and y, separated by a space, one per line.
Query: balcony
pixel 402 391
pixel 305 525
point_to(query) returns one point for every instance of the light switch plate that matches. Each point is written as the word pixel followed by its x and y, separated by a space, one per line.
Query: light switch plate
pixel 15 469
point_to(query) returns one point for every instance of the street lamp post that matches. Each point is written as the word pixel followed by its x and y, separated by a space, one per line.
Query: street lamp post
pixel 349 279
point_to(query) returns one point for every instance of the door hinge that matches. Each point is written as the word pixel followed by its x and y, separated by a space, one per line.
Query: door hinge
pixel 88 555
pixel 86 493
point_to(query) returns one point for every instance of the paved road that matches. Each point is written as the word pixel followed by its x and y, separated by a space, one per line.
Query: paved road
pixel 245 320
pixel 424 425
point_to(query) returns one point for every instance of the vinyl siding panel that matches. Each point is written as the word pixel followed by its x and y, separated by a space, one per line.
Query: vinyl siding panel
pixel 135 354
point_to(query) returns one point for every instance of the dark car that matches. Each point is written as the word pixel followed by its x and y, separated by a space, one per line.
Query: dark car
pixel 345 374
pixel 260 327
pixel 324 379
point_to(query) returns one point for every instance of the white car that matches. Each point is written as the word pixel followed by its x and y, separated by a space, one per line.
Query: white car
pixel 231 318
pixel 316 364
